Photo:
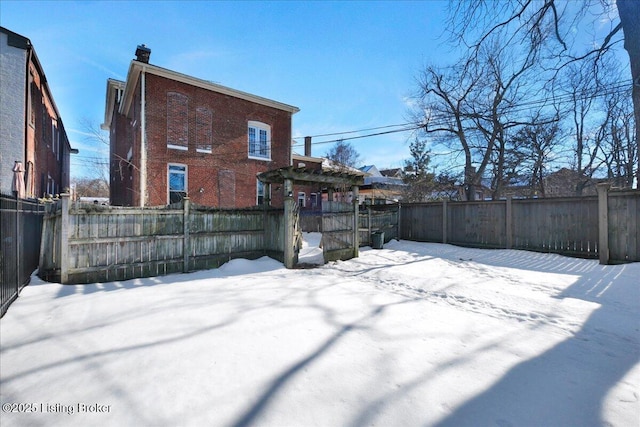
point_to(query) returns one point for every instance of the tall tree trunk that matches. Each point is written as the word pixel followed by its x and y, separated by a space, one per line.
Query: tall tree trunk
pixel 629 11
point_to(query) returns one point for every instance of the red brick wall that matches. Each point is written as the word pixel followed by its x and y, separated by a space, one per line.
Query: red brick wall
pixel 226 177
pixel 49 157
pixel 125 169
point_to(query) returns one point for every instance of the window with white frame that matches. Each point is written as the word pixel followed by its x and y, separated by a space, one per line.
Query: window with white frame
pixel 261 198
pixel 302 199
pixel 259 141
pixel 177 178
pixel 54 133
pixel 31 112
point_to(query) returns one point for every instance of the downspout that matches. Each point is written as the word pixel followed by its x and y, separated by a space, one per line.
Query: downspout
pixel 143 141
pixel 27 111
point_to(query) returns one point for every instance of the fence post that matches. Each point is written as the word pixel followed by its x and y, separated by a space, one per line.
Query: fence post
pixel 445 224
pixel 18 243
pixel 603 222
pixel 356 221
pixel 399 221
pixel 64 239
pixel 289 252
pixel 369 222
pixel 186 241
pixel 509 223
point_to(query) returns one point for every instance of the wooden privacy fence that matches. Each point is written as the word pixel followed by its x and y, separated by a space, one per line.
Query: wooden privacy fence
pixel 605 227
pixel 97 244
pixel 379 218
pixel 371 219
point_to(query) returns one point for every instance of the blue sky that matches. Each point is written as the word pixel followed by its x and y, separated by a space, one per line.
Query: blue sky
pixel 346 65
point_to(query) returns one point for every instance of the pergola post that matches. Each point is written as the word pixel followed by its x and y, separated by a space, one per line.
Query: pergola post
pixel 287 176
pixel 289 226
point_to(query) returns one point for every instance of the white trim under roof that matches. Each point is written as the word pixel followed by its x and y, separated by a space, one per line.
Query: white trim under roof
pixel 136 67
pixel 112 87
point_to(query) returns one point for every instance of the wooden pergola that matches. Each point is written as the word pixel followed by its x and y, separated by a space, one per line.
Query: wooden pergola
pixel 288 176
pixel 335 179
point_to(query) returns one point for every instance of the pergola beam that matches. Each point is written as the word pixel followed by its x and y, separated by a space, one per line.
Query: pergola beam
pixel 310 176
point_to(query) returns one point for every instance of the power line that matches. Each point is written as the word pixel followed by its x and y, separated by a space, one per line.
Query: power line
pixel 440 119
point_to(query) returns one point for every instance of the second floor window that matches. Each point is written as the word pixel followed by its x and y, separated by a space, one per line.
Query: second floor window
pixel 259 141
pixel 177 121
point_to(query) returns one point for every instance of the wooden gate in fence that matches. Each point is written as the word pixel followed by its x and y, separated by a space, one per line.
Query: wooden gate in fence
pixel 339 231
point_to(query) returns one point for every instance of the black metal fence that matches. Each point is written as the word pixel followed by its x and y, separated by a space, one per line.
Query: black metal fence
pixel 20 232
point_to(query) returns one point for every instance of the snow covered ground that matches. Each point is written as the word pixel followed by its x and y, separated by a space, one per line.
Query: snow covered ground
pixel 415 334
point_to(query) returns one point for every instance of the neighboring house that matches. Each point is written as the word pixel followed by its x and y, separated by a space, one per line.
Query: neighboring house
pixel 311 195
pixel 32 136
pixel 173 135
pixel 566 183
pixel 381 187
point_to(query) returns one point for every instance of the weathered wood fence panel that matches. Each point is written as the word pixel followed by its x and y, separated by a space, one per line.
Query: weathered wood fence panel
pixel 111 243
pixel 422 222
pixel 624 226
pixel 568 226
pixel 311 221
pixel 477 223
pixel 338 237
pixel 383 218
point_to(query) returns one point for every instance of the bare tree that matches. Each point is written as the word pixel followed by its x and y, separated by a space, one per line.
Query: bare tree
pixel 93 179
pixel 91 187
pixel 530 151
pixel 476 104
pixel 344 155
pixel 583 94
pixel 619 149
pixel 474 23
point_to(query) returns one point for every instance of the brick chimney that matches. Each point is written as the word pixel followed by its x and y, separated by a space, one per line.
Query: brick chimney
pixel 307 146
pixel 143 53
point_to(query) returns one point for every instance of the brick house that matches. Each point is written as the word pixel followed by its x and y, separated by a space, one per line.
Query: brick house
pixel 32 134
pixel 173 135
pixel 566 183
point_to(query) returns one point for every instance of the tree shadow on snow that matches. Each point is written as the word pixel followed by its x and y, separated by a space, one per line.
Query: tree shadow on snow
pixel 567 384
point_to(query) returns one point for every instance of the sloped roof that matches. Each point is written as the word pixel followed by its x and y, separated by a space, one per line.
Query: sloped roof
pixel 137 67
